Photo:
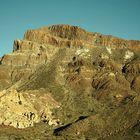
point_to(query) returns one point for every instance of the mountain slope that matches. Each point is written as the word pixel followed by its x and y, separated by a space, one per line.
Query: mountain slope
pixel 62 82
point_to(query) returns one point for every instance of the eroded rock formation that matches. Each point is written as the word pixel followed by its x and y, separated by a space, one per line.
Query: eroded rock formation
pixel 22 110
pixel 81 85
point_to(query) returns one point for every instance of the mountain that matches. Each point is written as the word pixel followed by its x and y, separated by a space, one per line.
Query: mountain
pixel 64 83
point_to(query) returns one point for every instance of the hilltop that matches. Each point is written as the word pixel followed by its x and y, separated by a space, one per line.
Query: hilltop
pixel 62 83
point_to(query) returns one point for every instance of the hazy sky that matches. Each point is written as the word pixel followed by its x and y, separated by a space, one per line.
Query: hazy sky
pixel 116 17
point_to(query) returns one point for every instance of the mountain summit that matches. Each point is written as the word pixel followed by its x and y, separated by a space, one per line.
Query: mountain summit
pixel 63 83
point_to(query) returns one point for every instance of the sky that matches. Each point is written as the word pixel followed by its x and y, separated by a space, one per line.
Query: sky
pixel 112 17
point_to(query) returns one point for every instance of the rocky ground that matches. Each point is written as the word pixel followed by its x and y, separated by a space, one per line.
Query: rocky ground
pixel 64 83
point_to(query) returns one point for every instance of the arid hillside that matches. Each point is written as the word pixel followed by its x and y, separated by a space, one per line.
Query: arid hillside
pixel 64 83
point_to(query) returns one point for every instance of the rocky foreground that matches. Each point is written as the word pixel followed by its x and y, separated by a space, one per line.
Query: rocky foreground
pixel 64 83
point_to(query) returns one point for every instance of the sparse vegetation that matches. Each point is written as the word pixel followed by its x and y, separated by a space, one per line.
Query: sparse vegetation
pixel 91 91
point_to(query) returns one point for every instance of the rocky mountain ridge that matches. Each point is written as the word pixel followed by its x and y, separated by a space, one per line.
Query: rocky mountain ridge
pixel 61 35
pixel 75 83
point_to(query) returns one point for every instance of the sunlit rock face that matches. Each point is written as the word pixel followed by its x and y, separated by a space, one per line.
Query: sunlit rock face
pixel 22 110
pixel 79 84
pixel 25 53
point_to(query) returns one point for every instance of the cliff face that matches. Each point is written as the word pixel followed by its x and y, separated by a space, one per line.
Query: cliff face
pixel 25 53
pixel 63 34
pixel 33 49
pixel 81 85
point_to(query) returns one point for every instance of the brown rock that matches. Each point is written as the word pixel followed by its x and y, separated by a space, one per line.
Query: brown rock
pixel 78 81
pixel 60 34
pixel 136 84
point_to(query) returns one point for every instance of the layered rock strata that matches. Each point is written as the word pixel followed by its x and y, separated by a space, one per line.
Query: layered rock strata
pixel 81 85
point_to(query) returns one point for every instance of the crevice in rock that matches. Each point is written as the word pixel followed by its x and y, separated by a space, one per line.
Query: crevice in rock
pixel 60 129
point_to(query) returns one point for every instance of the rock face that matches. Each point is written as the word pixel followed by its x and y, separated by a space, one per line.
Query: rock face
pixel 24 109
pixel 72 83
pixel 65 34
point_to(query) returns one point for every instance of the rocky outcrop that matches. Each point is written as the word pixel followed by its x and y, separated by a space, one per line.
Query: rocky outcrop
pixel 37 46
pixel 25 53
pixel 71 84
pixel 21 63
pixel 22 110
pixel 66 35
